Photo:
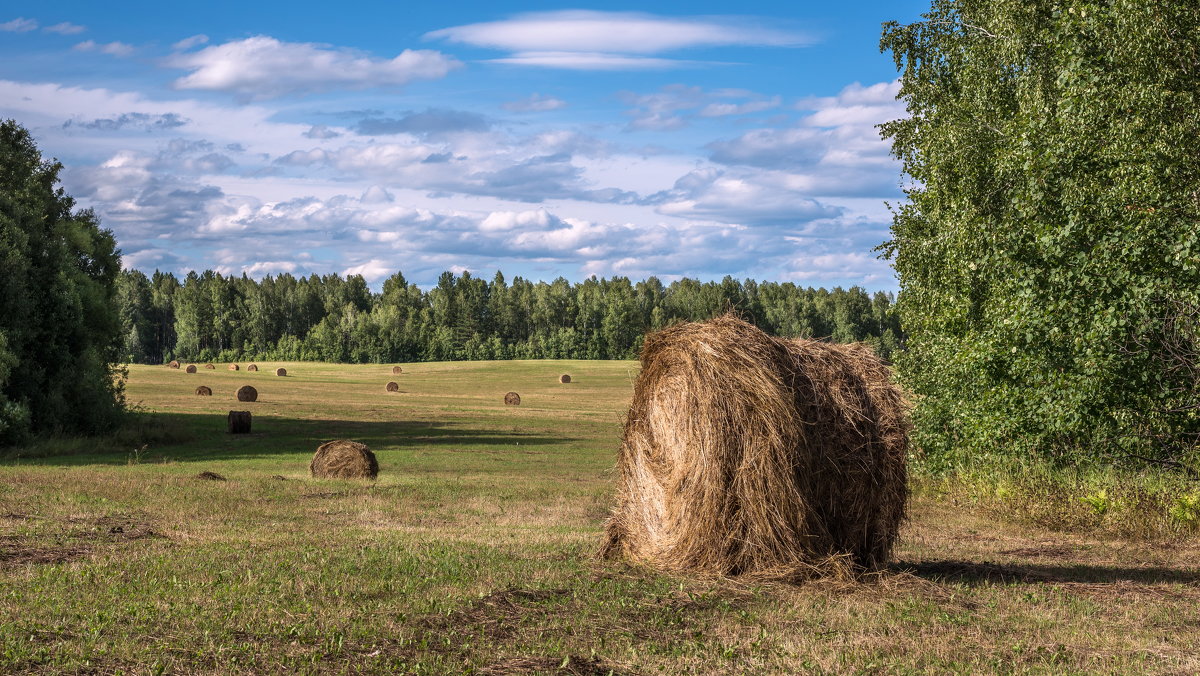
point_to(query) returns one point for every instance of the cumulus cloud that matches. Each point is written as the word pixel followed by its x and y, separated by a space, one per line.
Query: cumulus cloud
pixel 142 121
pixel 65 28
pixel 737 199
pixel 535 103
pixel 673 106
pixel 262 67
pixel 320 132
pixel 19 25
pixel 188 43
pixel 110 48
pixel 428 123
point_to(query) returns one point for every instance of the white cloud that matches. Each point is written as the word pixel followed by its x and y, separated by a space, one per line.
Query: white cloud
pixel 724 109
pixel 671 107
pixel 372 270
pixel 188 43
pixel 535 103
pixel 741 199
pixel 590 61
pixel 321 132
pixel 110 48
pixel 19 25
pixel 65 28
pixel 262 67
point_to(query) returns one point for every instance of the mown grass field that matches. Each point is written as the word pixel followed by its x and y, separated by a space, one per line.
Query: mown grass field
pixel 474 552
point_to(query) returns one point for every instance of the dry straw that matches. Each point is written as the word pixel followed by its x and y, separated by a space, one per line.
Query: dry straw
pixel 512 399
pixel 173 364
pixel 396 370
pixel 247 393
pixel 344 459
pixel 749 455
pixel 393 386
pixel 281 371
pixel 234 367
pixel 204 391
pixel 252 367
pixel 239 422
pixel 191 368
pixel 209 366
pixel 564 378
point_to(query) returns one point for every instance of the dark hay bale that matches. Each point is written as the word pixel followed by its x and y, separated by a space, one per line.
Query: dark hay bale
pixel 252 367
pixel 344 459
pixel 396 370
pixel 204 391
pixel 173 364
pixel 239 422
pixel 281 371
pixel 564 378
pixel 209 366
pixel 512 399
pixel 745 454
pixel 235 367
pixel 393 387
pixel 210 476
pixel 191 368
pixel 247 393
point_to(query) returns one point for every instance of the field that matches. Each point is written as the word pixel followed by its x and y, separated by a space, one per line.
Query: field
pixel 474 552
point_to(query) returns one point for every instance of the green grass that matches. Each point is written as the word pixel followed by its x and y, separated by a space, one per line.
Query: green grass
pixel 474 551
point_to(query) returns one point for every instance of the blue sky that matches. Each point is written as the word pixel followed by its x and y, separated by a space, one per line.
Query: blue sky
pixel 691 139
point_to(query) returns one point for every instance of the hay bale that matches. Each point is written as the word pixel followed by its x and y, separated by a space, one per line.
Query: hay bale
pixel 512 399
pixel 564 378
pixel 210 476
pixel 209 367
pixel 393 387
pixel 204 391
pixel 396 370
pixel 252 367
pixel 173 364
pixel 281 371
pixel 235 367
pixel 191 368
pixel 745 454
pixel 239 422
pixel 247 393
pixel 344 459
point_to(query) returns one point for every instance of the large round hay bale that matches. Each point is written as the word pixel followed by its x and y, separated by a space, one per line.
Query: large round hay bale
pixel 344 459
pixel 396 370
pixel 745 454
pixel 173 364
pixel 393 386
pixel 252 367
pixel 247 393
pixel 204 391
pixel 191 368
pixel 209 366
pixel 239 422
pixel 235 367
pixel 512 399
pixel 281 371
pixel 564 378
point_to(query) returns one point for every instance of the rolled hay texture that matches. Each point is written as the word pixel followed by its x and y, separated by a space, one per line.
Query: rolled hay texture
pixel 252 367
pixel 564 378
pixel 344 459
pixel 744 454
pixel 173 364
pixel 191 368
pixel 393 387
pixel 209 366
pixel 204 391
pixel 281 371
pixel 512 399
pixel 396 370
pixel 239 422
pixel 235 367
pixel 247 393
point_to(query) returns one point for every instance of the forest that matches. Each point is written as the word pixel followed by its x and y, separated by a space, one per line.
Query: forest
pixel 213 317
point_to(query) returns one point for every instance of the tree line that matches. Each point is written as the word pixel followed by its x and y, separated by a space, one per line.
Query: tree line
pixel 208 316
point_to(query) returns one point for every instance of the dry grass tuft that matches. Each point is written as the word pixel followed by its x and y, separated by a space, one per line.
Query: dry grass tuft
pixel 393 386
pixel 512 399
pixel 756 456
pixel 344 459
pixel 210 476
pixel 247 393
pixel 204 391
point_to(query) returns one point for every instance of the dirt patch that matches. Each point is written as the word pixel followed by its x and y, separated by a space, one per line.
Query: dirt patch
pixel 210 476
pixel 571 664
pixel 14 551
pixel 499 613
pixel 72 538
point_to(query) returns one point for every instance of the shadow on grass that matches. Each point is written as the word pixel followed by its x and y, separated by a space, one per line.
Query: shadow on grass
pixel 983 573
pixel 204 437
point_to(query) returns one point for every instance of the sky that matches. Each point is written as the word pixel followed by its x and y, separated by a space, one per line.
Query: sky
pixel 672 139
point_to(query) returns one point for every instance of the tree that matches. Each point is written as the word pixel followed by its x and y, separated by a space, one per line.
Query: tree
pixel 1051 237
pixel 60 330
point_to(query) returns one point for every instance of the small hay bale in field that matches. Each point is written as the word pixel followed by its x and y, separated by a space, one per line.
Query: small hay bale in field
pixel 512 399
pixel 252 367
pixel 281 371
pixel 209 367
pixel 204 391
pixel 173 364
pixel 396 370
pixel 344 459
pixel 393 386
pixel 191 368
pixel 239 422
pixel 247 393
pixel 745 454
pixel 211 476
pixel 564 378
pixel 235 367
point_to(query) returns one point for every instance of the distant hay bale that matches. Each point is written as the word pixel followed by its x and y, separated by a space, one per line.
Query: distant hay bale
pixel 204 391
pixel 252 367
pixel 239 422
pixel 564 378
pixel 512 399
pixel 344 459
pixel 209 366
pixel 745 454
pixel 235 367
pixel 173 364
pixel 281 371
pixel 247 393
pixel 396 370
pixel 210 476
pixel 191 368
pixel 393 387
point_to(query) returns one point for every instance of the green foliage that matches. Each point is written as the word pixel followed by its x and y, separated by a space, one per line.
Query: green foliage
pixel 1049 250
pixel 60 332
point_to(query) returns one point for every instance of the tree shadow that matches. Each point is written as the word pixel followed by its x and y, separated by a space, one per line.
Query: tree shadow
pixel 976 573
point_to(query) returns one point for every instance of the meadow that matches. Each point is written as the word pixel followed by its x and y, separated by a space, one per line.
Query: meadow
pixel 475 550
